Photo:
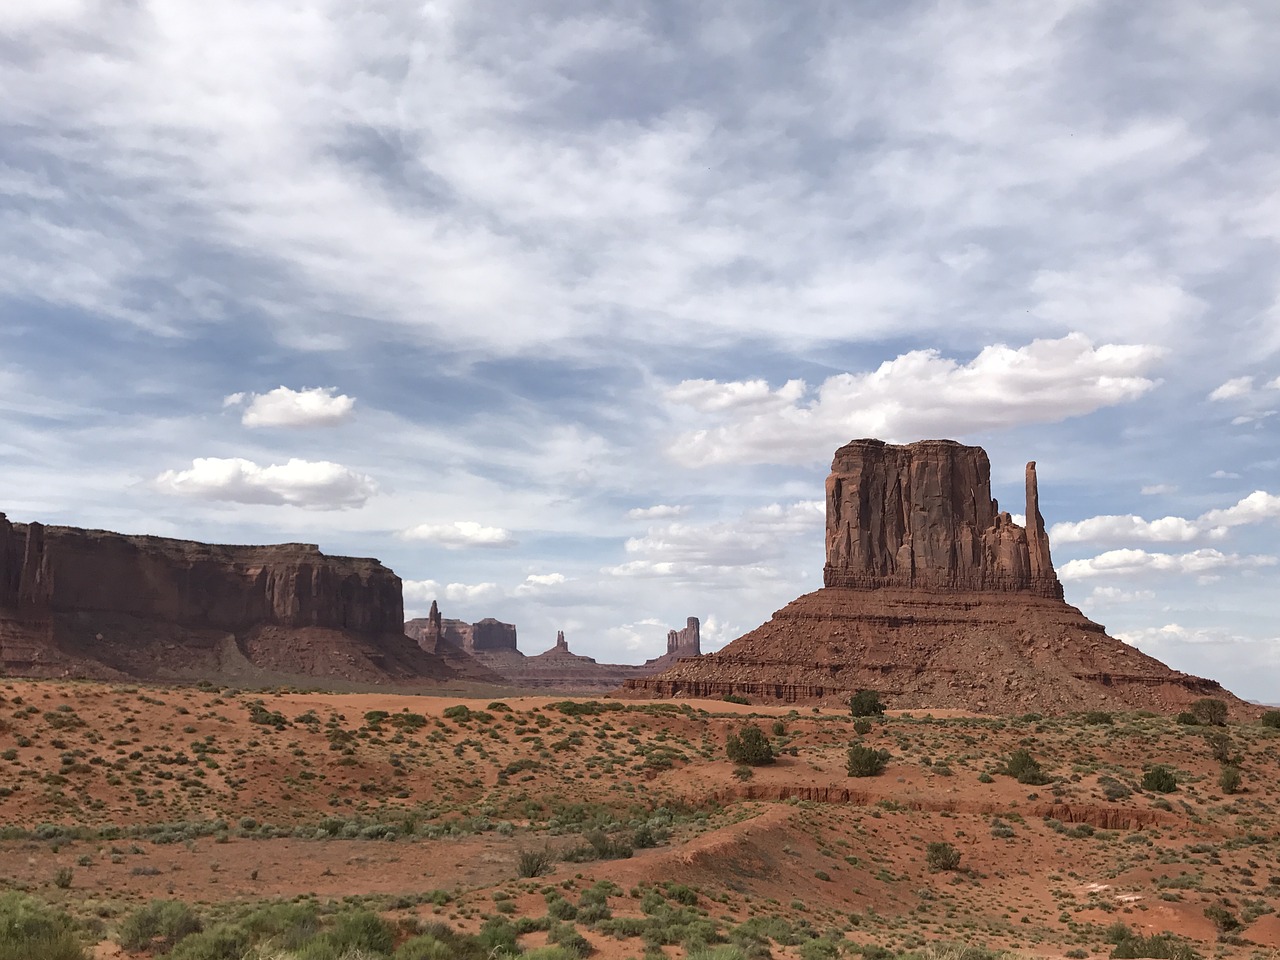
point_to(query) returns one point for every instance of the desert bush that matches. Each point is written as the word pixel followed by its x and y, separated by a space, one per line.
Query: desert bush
pixel 1025 768
pixel 1270 719
pixel 1160 779
pixel 735 698
pixel 533 863
pixel 30 928
pixel 865 761
pixel 940 855
pixel 1161 946
pixel 749 746
pixel 460 712
pixel 1230 779
pixel 1099 717
pixel 1219 745
pixel 287 925
pixel 161 924
pixel 779 728
pixel 62 878
pixel 866 703
pixel 1224 921
pixel 862 726
pixel 1210 711
pixel 1186 718
pixel 425 947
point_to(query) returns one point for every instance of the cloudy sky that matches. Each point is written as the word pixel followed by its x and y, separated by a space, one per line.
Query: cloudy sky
pixel 561 308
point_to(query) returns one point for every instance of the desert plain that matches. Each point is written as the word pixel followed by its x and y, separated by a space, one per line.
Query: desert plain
pixel 276 823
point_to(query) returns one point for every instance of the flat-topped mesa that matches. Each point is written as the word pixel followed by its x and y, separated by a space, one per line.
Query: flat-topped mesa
pixel 921 515
pixel 67 570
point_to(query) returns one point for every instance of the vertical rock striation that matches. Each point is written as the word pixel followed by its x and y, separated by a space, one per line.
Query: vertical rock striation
pixel 921 516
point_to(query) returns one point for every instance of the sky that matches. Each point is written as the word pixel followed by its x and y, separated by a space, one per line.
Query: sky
pixel 560 309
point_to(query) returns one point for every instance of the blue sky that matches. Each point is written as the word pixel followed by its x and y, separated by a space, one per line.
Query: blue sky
pixel 561 312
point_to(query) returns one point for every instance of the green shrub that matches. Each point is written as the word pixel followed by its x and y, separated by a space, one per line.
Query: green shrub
pixel 735 698
pixel 862 726
pixel 866 761
pixel 1219 745
pixel 1270 719
pixel 749 745
pixel 30 928
pixel 160 924
pixel 287 925
pixel 1210 712
pixel 1187 719
pixel 1025 768
pixel 1230 779
pixel 866 703
pixel 1159 779
pixel 425 947
pixel 361 930
pixel 1100 717
pixel 940 855
pixel 1162 946
pixel 62 878
pixel 533 863
pixel 460 712
pixel 223 942
pixel 1224 921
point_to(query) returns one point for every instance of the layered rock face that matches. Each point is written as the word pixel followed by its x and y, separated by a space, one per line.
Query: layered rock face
pixel 934 598
pixel 921 516
pixel 686 642
pixel 94 603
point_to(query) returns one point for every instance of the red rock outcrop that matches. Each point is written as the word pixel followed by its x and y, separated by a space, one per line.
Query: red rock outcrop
pixel 93 603
pixel 934 598
pixel 921 516
pixel 686 642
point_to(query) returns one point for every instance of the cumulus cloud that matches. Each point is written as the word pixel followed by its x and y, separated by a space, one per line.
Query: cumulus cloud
pixel 659 511
pixel 460 534
pixel 1156 489
pixel 420 593
pixel 1257 507
pixel 282 407
pixel 918 394
pixel 536 583
pixel 1133 562
pixel 318 485
pixel 1233 388
pixel 1224 475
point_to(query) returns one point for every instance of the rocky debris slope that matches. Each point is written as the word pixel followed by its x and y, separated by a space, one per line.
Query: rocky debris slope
pixel 92 603
pixel 935 598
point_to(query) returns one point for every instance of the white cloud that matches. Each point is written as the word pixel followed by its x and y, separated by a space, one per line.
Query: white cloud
pixel 460 534
pixel 536 583
pixel 1224 475
pixel 1117 529
pixel 282 407
pixel 319 485
pixel 1273 384
pixel 660 511
pixel 1236 387
pixel 1117 595
pixel 918 394
pixel 1156 489
pixel 420 593
pixel 1133 562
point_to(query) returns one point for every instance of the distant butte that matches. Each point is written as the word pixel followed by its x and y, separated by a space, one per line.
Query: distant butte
pixel 936 598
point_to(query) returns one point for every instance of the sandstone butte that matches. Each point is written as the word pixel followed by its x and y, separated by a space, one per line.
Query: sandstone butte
pixel 493 644
pixel 933 597
pixel 89 603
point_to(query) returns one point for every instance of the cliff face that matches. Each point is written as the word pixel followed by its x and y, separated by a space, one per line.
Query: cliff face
pixel 65 569
pixel 935 598
pixel 94 603
pixel 922 516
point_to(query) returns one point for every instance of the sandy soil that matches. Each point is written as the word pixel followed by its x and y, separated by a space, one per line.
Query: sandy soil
pixel 215 796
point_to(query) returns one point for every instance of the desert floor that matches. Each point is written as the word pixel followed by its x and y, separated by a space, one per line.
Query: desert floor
pixel 112 796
